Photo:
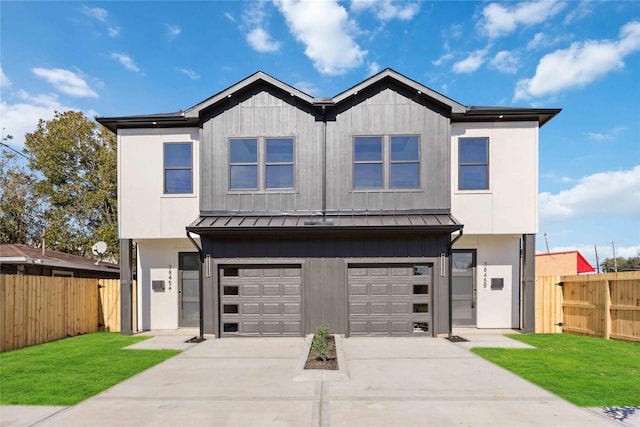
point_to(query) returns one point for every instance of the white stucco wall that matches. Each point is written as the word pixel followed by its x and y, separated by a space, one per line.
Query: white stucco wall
pixel 158 260
pixel 144 211
pixel 497 256
pixel 510 205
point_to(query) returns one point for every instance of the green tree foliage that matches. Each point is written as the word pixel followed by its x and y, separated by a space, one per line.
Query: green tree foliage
pixel 624 264
pixel 20 212
pixel 75 161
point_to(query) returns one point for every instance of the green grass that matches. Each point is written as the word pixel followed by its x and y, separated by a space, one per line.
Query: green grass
pixel 585 371
pixel 68 371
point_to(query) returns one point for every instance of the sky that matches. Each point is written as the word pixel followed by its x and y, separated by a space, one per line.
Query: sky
pixel 141 57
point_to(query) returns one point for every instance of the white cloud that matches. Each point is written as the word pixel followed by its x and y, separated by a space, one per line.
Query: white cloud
pixel 444 58
pixel 4 80
pixel 229 17
pixel 173 31
pixel 189 73
pixel 66 81
pixel 261 41
pixel 606 136
pixel 386 10
pixel 113 31
pixel 22 117
pixel 505 62
pixel 307 87
pixel 126 61
pixel 580 64
pixel 537 40
pixel 582 10
pixel 471 63
pixel 96 12
pixel 326 31
pixel 615 194
pixel 373 68
pixel 500 20
pixel 254 26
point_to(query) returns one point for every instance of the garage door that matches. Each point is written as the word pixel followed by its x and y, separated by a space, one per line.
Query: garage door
pixel 260 300
pixel 390 299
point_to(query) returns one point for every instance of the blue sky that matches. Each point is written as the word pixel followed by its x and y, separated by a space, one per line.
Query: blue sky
pixel 121 58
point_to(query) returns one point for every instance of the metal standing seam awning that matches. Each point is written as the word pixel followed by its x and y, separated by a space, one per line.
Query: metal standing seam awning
pixel 380 222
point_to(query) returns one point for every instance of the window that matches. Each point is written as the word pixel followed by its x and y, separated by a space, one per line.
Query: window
pixel 261 163
pixel 178 166
pixel 243 163
pixel 405 162
pixel 367 159
pixel 386 161
pixel 473 161
pixel 279 162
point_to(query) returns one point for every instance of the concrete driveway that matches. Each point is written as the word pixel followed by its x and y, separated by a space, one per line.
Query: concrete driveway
pixel 391 382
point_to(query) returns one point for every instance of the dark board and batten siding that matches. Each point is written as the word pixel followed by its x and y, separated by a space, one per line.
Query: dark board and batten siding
pixel 389 112
pixel 265 112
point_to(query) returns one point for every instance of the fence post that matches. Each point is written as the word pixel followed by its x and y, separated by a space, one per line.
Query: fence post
pixel 607 310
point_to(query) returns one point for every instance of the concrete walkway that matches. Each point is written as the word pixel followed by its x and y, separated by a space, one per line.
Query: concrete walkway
pixel 390 382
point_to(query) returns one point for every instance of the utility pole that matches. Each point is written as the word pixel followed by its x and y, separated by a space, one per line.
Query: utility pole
pixel 546 242
pixel 615 261
pixel 597 259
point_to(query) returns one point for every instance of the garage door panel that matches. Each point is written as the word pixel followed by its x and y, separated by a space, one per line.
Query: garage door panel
pixel 271 290
pixel 293 308
pixel 379 308
pixel 401 290
pixel 379 289
pixel 291 290
pixel 400 308
pixel 268 300
pixel 390 299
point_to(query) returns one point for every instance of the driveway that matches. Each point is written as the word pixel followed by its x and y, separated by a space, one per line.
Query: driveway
pixel 390 382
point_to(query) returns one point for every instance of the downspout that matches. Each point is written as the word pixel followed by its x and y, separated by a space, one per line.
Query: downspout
pixel 200 298
pixel 324 163
pixel 451 281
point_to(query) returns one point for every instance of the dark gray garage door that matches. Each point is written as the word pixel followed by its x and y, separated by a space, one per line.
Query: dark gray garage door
pixel 260 300
pixel 390 299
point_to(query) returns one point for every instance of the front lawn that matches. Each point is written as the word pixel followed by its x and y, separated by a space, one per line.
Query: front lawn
pixel 68 371
pixel 585 371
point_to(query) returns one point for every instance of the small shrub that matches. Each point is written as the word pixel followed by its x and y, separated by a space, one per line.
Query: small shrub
pixel 320 344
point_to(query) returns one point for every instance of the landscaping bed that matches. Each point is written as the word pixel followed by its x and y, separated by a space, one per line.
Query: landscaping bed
pixel 315 360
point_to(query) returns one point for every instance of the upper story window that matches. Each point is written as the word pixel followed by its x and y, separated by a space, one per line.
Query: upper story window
pixel 243 163
pixel 473 164
pixel 261 163
pixel 386 161
pixel 178 168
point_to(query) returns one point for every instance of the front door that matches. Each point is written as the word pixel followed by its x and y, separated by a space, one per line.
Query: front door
pixel 463 290
pixel 189 289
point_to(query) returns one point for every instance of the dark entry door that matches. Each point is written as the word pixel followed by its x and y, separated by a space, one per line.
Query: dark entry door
pixel 188 289
pixel 463 295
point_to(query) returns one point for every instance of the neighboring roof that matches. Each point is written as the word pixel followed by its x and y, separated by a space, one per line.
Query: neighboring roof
pixel 583 265
pixel 459 112
pixel 25 254
pixel 396 222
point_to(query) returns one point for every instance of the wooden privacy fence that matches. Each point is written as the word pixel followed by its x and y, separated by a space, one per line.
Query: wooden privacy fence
pixel 601 305
pixel 39 309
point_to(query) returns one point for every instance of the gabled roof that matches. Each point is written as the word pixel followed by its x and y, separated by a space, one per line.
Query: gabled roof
pixel 25 254
pixel 458 112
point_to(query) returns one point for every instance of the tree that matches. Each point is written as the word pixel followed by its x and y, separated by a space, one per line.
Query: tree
pixel 20 212
pixel 75 161
pixel 624 264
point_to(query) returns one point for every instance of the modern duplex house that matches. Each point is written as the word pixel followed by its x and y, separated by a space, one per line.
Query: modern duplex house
pixel 388 209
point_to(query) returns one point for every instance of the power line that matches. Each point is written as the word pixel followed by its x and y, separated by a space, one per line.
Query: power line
pixel 14 150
